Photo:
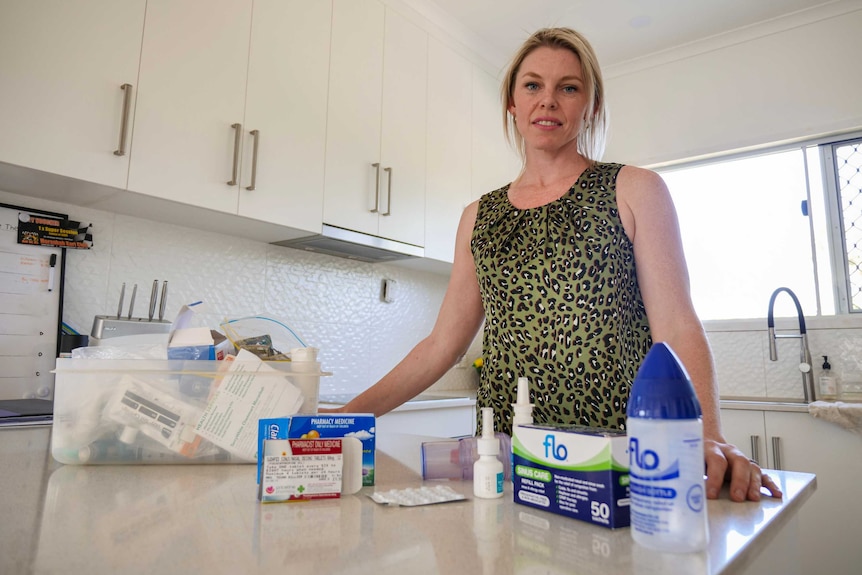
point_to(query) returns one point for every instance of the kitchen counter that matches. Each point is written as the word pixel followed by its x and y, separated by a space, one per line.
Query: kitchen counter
pixel 206 519
pixel 427 400
pixel 764 405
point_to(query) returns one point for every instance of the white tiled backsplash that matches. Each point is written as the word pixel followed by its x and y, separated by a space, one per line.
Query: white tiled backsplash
pixel 742 357
pixel 334 304
pixel 331 303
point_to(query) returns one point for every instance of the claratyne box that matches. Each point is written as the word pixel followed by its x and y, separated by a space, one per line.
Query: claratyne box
pixel 579 472
pixel 329 425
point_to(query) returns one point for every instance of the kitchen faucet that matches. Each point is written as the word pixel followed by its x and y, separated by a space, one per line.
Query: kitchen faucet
pixel 804 354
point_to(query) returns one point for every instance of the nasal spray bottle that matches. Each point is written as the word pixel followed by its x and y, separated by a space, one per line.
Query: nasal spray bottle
pixel 523 414
pixel 488 470
pixel 523 408
pixel 665 431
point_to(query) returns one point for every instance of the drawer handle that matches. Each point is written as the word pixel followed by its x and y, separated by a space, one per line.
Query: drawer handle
pixel 776 452
pixel 124 123
pixel 388 193
pixel 256 135
pixel 376 167
pixel 755 448
pixel 237 133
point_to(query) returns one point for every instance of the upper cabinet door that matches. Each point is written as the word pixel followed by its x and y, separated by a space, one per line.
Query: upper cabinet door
pixel 449 148
pixel 353 128
pixel 191 102
pixel 62 65
pixel 286 109
pixel 403 131
pixel 375 140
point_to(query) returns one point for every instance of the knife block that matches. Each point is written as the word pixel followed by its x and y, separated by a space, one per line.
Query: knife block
pixel 106 326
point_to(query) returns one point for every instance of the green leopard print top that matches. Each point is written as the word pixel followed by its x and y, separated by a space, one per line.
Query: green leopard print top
pixel 562 305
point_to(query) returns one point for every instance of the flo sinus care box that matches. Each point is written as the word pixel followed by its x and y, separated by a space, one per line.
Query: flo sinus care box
pixel 578 472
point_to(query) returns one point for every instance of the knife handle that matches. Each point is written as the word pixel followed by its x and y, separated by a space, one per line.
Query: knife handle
pixel 164 300
pixel 122 297
pixel 132 300
pixel 153 295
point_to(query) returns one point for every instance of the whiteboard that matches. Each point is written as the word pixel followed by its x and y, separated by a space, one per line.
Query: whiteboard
pixel 30 312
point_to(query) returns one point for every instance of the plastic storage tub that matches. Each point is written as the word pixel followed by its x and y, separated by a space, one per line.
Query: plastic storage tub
pixel 173 411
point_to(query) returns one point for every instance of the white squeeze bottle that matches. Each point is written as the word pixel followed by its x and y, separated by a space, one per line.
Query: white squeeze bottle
pixel 488 470
pixel 666 462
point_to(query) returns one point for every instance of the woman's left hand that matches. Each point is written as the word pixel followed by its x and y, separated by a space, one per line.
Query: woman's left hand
pixel 724 462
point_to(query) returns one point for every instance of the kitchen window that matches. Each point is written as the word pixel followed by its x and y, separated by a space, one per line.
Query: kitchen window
pixel 789 216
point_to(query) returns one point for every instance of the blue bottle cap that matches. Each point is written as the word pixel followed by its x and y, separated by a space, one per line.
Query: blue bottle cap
pixel 662 388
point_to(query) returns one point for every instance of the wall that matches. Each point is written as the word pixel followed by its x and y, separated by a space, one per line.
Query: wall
pixel 791 78
pixel 332 303
pixel 788 79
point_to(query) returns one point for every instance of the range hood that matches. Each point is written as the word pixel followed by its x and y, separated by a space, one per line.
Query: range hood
pixel 334 241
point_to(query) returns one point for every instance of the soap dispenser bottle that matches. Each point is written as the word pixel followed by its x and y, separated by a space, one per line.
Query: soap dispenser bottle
pixel 828 385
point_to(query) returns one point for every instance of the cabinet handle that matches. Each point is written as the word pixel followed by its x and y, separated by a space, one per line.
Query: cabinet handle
pixel 256 135
pixel 755 448
pixel 776 452
pixel 124 123
pixel 388 193
pixel 376 166
pixel 237 133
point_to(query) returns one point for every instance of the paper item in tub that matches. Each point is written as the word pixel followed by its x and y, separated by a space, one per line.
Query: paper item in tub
pixel 248 391
pixel 141 407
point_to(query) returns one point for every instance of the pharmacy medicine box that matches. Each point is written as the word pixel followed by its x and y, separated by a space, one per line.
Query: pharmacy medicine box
pixel 173 411
pixel 578 472
pixel 362 426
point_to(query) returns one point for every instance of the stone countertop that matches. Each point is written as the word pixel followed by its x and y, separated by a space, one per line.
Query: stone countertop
pixel 764 405
pixel 206 519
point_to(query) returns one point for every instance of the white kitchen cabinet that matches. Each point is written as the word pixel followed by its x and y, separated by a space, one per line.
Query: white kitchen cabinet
pixel 375 142
pixel 288 78
pixel 495 163
pixel 231 111
pixel 798 442
pixel 447 193
pixel 191 92
pixel 62 66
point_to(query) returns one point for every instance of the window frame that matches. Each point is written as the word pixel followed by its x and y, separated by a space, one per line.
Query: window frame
pixel 835 240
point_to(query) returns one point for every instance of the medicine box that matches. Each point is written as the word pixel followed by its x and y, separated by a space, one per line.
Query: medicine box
pixel 578 472
pixel 130 411
pixel 301 469
pixel 330 425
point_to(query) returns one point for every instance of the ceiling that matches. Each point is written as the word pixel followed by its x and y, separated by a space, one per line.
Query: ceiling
pixel 619 30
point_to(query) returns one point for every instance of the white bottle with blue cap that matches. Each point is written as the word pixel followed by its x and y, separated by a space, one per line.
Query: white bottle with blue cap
pixel 666 458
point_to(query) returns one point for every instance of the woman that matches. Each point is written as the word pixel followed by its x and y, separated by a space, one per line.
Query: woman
pixel 576 267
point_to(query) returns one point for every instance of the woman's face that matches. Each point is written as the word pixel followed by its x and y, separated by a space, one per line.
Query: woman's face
pixel 549 99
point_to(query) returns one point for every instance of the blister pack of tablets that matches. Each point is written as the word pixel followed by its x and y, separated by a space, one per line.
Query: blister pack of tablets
pixel 413 496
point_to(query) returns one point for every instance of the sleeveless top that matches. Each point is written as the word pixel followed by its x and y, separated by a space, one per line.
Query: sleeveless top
pixel 562 305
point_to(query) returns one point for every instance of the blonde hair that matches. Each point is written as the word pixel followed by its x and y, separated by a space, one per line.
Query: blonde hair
pixel 591 139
